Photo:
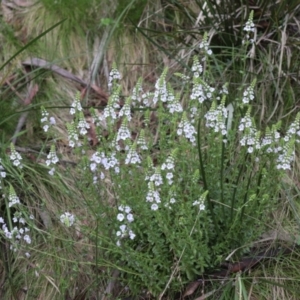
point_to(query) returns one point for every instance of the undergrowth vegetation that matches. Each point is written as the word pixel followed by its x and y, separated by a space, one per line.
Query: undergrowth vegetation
pixel 162 178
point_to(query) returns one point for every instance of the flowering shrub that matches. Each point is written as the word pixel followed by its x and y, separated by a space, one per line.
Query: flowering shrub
pixel 174 199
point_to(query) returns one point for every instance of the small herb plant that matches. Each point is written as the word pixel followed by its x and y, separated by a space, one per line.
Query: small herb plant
pixel 175 184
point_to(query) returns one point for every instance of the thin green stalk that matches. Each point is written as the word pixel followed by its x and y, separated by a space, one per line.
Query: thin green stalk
pixel 30 43
pixel 235 189
pixel 222 177
pixel 245 197
pixel 202 172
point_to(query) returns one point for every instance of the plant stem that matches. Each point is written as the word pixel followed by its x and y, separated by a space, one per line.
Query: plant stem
pixel 235 189
pixel 202 173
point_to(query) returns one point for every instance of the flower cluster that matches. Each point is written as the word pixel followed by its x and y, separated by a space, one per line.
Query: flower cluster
pixel 126 110
pixel 108 162
pixel 156 177
pixel 216 117
pixel 138 95
pixel 173 103
pixel 13 199
pixel 132 156
pixel 197 68
pixel 147 99
pixel 294 130
pixel 109 113
pixel 82 125
pixel 205 45
pixel 161 91
pixel 249 27
pixel 52 160
pixel 73 135
pixel 19 231
pixel 123 132
pixel 67 219
pixel 137 92
pixel 141 142
pixel 248 94
pixel 250 134
pixel 286 156
pixel 201 91
pixel 15 157
pixel 286 153
pixel 224 90
pixel 187 129
pixel 172 199
pixel 46 121
pixel 271 139
pixel 113 76
pixel 169 166
pixel 125 215
pixel 76 105
pixel 201 201
pixel 153 196
pixel 154 180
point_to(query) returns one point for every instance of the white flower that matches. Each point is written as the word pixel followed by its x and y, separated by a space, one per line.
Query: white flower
pixel 169 164
pixel 248 95
pixel 15 157
pixel 204 45
pixel 141 141
pixel 201 205
pixel 154 206
pixel 216 118
pixel 123 228
pixel 51 172
pixel 187 129
pixel 48 121
pixel 125 111
pixel 156 178
pixel 169 177
pixel 197 67
pixel 172 200
pixel 52 157
pixel 249 26
pixel 52 121
pixel 83 126
pixel 131 235
pixel 113 75
pixel 130 218
pixel 123 133
pixel 67 219
pixel 132 156
pixel 109 112
pixel 13 199
pixel 161 91
pixel 76 105
pixel 120 217
pixel 127 209
pixel 27 239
